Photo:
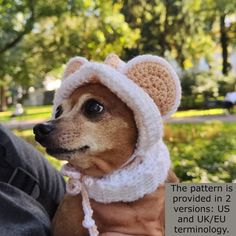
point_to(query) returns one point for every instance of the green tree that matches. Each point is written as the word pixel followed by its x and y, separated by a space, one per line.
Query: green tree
pixel 223 11
pixel 83 27
pixel 170 28
pixel 17 19
pixel 187 31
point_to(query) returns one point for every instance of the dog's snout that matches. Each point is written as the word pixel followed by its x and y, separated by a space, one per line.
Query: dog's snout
pixel 43 129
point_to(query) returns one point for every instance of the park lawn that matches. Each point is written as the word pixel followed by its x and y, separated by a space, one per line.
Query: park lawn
pixel 44 112
pixel 207 112
pixel 204 152
pixel 31 113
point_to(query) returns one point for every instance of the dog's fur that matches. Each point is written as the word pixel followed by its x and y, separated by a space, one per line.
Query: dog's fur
pixel 109 140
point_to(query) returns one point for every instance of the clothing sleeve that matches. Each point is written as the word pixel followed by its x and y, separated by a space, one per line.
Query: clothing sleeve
pixel 20 214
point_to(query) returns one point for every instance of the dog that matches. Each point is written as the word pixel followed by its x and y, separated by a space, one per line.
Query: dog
pixel 97 133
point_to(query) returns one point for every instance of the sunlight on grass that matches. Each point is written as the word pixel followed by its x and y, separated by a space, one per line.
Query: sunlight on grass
pixel 31 113
pixel 203 152
pixel 24 133
pixel 5 115
pixel 44 112
pixel 189 113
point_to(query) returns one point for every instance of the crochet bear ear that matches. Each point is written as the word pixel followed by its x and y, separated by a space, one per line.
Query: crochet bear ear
pixel 114 61
pixel 157 77
pixel 73 65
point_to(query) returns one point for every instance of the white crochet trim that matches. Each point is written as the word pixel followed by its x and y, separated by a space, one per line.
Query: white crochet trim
pixel 164 63
pixel 133 181
pixel 147 116
pixel 75 185
pixel 120 63
pixel 128 184
pixel 82 60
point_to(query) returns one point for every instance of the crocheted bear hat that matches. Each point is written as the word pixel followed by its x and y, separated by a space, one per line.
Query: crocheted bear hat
pixel 147 84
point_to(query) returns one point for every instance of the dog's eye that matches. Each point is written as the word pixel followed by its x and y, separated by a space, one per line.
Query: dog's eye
pixel 59 111
pixel 92 108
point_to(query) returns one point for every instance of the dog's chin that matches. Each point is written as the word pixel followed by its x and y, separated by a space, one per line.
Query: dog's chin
pixel 66 154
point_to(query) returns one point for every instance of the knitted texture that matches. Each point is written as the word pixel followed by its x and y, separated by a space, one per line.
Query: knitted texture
pixel 74 186
pixel 156 76
pixel 128 184
pixel 73 65
pixel 153 74
pixel 114 61
pixel 151 89
pixel 147 115
pixel 133 181
pixel 149 76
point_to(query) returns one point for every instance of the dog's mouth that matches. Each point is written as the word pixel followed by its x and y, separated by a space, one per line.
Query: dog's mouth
pixel 58 151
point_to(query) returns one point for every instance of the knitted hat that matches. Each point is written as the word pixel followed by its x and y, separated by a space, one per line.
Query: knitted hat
pixel 147 84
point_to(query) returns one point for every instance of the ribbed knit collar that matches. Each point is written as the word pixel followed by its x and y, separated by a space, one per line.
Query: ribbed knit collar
pixel 140 177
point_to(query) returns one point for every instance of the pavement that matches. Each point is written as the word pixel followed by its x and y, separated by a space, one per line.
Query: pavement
pixel 29 124
pixel 22 124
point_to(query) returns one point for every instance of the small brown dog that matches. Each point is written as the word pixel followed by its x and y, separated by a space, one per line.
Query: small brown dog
pixel 98 133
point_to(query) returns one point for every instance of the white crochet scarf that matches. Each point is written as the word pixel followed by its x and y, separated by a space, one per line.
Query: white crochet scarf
pixel 136 179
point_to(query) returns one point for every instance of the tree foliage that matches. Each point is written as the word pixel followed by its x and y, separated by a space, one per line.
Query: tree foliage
pixel 37 37
pixel 58 31
pixel 187 31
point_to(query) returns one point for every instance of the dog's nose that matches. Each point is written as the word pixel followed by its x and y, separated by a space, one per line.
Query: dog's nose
pixel 43 129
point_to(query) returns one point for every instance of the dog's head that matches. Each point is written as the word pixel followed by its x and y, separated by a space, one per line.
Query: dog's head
pixel 103 113
pixel 93 130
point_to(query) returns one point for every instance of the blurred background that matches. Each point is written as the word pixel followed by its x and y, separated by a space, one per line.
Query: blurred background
pixel 198 37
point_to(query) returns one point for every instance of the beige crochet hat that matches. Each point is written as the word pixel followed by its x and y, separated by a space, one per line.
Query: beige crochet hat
pixel 155 76
pixel 147 84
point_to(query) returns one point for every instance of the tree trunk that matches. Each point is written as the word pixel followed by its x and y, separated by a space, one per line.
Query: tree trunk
pixel 163 42
pixel 224 45
pixel 3 100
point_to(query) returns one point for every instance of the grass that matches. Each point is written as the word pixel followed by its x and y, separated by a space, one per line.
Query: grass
pixel 44 112
pixel 204 152
pixel 31 113
pixel 189 113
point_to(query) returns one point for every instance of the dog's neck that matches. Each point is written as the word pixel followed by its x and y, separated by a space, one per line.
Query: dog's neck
pixel 140 177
